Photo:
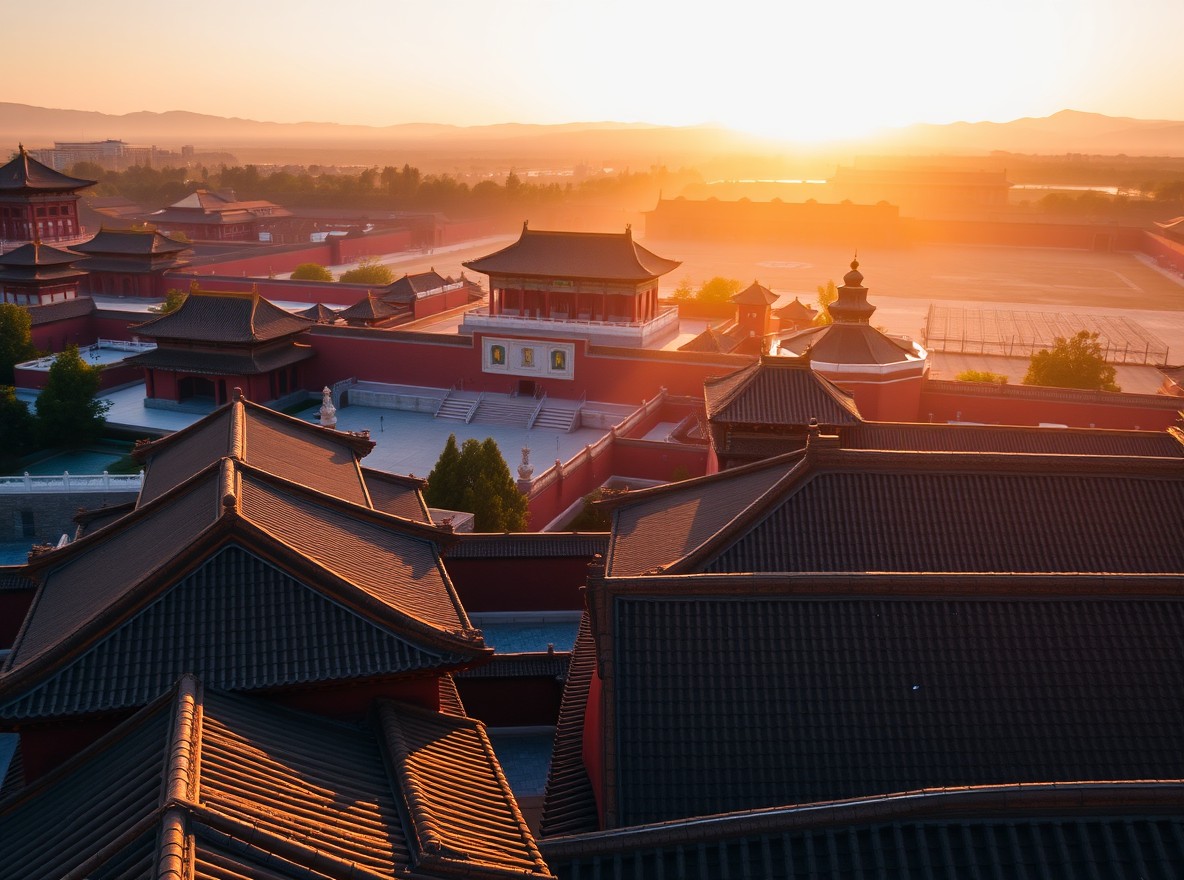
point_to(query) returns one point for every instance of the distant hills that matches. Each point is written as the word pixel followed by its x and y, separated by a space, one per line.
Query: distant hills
pixel 641 145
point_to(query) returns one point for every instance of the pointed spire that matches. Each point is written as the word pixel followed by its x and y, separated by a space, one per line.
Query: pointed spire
pixel 852 306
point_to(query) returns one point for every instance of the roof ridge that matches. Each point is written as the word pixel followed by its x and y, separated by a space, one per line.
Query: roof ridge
pixel 182 776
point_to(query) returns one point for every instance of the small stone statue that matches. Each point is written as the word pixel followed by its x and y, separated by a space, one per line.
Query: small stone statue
pixel 328 410
pixel 526 469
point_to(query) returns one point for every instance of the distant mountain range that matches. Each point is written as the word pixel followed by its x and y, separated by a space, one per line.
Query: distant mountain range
pixel 1068 131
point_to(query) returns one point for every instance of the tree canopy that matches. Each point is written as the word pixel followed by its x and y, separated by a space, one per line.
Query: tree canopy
pixel 67 412
pixel 173 298
pixel 369 271
pixel 16 339
pixel 718 290
pixel 476 479
pixel 827 294
pixel 1076 362
pixel 981 376
pixel 17 435
pixel 311 272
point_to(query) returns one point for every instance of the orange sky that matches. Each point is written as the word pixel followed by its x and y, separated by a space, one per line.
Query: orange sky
pixel 799 70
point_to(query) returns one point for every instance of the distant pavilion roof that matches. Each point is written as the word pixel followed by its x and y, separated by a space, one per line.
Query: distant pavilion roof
pixel 37 262
pixel 591 255
pixel 371 309
pixel 126 242
pixel 24 174
pixel 755 294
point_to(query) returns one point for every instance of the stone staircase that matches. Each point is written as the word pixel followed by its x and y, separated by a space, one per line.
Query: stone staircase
pixel 457 408
pixel 557 418
pixel 495 409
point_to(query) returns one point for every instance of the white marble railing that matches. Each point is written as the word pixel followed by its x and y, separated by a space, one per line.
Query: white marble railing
pixel 68 482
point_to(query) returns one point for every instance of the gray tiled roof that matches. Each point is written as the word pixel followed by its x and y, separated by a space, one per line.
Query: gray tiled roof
pixel 1065 832
pixel 736 702
pixel 778 391
pixel 1010 438
pixel 23 173
pixel 208 316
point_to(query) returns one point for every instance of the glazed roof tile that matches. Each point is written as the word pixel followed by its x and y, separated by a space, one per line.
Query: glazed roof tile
pixel 962 512
pixel 209 316
pixel 60 311
pixel 399 568
pixel 778 391
pixel 527 545
pixel 239 622
pixel 397 495
pixel 756 295
pixel 653 527
pixel 716 341
pixel 598 255
pixel 37 254
pixel 1010 438
pixel 131 242
pixel 859 510
pixel 847 344
pixel 110 605
pixel 821 697
pixel 796 311
pixel 569 806
pixel 223 363
pixel 289 448
pixel 320 313
pixel 206 784
pixel 1027 831
pixel 409 287
pixel 371 308
pixel 24 174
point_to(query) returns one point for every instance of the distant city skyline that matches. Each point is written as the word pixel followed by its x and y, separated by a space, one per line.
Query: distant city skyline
pixel 805 72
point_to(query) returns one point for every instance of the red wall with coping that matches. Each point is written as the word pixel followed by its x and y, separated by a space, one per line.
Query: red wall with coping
pixel 943 401
pixel 519 584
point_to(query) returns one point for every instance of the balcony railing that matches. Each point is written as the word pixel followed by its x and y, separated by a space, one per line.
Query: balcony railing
pixel 636 333
pixel 68 482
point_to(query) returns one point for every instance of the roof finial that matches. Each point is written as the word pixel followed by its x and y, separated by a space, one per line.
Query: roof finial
pixel 855 260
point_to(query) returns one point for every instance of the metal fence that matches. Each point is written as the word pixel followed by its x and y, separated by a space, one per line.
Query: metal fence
pixel 1021 334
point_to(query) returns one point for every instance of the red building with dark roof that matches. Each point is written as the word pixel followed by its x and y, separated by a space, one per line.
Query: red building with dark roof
pixel 37 202
pixel 256 679
pixel 131 262
pixel 37 274
pixel 217 341
pixel 210 216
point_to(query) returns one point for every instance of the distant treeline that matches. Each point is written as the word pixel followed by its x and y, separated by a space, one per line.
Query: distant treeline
pixel 384 189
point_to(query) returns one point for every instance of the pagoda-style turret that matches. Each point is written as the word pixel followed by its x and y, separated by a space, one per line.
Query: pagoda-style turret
pixel 37 274
pixel 37 202
pixel 883 372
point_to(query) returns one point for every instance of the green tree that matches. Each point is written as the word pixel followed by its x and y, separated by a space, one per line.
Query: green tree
pixel 67 412
pixel 718 290
pixel 17 429
pixel 173 298
pixel 476 479
pixel 685 290
pixel 827 294
pixel 1076 362
pixel 16 340
pixel 311 272
pixel 369 271
pixel 981 376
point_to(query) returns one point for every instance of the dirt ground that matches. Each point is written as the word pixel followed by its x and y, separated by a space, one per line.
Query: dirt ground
pixel 902 282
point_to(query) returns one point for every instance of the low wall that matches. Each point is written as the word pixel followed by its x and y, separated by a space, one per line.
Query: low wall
pixel 943 401
pixel 43 517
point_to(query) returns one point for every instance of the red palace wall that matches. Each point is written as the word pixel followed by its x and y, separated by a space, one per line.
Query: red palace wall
pixel 55 336
pixel 135 284
pixel 511 702
pixel 543 584
pixel 881 401
pixel 943 401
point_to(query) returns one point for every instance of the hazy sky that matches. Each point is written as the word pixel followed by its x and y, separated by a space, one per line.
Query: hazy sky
pixel 827 68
